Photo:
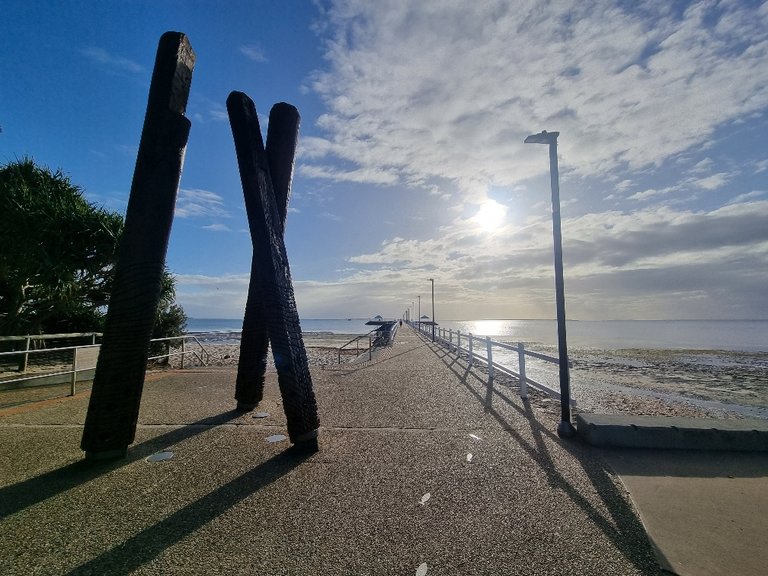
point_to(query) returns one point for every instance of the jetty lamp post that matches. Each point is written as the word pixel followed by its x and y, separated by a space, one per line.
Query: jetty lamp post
pixel 433 308
pixel 565 429
pixel 419 297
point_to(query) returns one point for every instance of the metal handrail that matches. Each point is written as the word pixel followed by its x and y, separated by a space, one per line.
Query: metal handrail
pixel 491 365
pixel 383 337
pixel 29 338
pixel 356 341
pixel 202 355
pixel 49 336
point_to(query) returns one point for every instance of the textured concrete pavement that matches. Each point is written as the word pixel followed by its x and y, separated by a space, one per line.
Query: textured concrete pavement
pixel 421 464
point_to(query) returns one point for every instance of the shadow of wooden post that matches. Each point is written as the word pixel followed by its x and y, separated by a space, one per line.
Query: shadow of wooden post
pixel 271 288
pixel 113 410
pixel 282 137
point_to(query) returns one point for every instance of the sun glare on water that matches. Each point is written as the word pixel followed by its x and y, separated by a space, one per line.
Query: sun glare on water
pixel 490 216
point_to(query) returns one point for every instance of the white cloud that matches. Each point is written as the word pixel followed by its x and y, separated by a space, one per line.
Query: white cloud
pixel 253 52
pixel 195 203
pixel 212 296
pixel 434 89
pixel 371 176
pixel 712 182
pixel 204 109
pixel 704 165
pixel 748 196
pixel 655 262
pixel 217 227
pixel 646 194
pixel 111 62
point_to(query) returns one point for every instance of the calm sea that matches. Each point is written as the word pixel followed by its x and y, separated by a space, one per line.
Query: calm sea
pixel 308 325
pixel 735 335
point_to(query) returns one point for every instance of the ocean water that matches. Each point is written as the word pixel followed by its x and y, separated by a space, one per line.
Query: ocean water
pixel 308 325
pixel 732 335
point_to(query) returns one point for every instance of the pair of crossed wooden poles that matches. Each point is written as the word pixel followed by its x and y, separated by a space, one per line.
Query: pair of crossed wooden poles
pixel 270 313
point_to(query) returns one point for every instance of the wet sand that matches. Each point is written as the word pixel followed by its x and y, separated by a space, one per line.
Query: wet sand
pixel 711 383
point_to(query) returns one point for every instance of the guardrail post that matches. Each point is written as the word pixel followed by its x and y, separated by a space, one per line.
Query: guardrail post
pixel 458 343
pixel 73 383
pixel 489 354
pixel 471 354
pixel 183 349
pixel 523 378
pixel 25 359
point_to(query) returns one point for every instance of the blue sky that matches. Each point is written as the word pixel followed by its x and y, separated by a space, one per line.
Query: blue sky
pixel 412 163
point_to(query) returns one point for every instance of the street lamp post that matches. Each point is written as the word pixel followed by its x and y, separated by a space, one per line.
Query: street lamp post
pixel 565 429
pixel 433 308
pixel 419 297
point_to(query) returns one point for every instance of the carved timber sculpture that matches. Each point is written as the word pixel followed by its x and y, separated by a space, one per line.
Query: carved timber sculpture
pixel 282 136
pixel 271 301
pixel 113 410
pixel 270 315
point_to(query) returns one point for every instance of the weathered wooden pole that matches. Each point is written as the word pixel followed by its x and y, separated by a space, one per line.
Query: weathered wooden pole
pixel 110 424
pixel 271 275
pixel 282 137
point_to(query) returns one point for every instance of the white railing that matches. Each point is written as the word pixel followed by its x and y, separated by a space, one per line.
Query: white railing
pixel 84 358
pixel 29 339
pixel 454 341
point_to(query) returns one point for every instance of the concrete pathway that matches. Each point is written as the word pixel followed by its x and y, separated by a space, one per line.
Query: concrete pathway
pixel 422 467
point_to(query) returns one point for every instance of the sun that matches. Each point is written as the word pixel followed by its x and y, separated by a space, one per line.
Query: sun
pixel 490 216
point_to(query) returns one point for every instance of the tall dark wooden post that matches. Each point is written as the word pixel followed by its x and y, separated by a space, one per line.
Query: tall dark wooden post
pixel 113 411
pixel 271 276
pixel 282 136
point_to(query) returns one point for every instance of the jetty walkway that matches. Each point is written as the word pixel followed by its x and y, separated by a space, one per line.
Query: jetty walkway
pixel 423 468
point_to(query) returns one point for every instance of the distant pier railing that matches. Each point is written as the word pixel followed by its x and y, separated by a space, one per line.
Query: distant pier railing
pixel 348 349
pixel 468 344
pixel 378 337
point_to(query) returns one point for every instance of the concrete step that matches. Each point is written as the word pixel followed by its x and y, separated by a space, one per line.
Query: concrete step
pixel 673 433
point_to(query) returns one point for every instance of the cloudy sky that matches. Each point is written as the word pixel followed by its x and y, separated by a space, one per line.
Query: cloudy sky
pixel 412 163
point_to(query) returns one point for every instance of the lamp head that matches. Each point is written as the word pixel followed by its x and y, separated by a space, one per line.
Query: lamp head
pixel 542 137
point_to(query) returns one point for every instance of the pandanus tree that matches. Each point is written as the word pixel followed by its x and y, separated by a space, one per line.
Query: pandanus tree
pixel 58 256
pixel 58 252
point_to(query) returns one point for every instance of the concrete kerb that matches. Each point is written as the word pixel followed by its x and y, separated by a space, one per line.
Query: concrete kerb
pixel 673 433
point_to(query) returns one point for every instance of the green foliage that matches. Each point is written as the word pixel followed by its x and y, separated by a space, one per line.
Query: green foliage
pixel 171 319
pixel 58 255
